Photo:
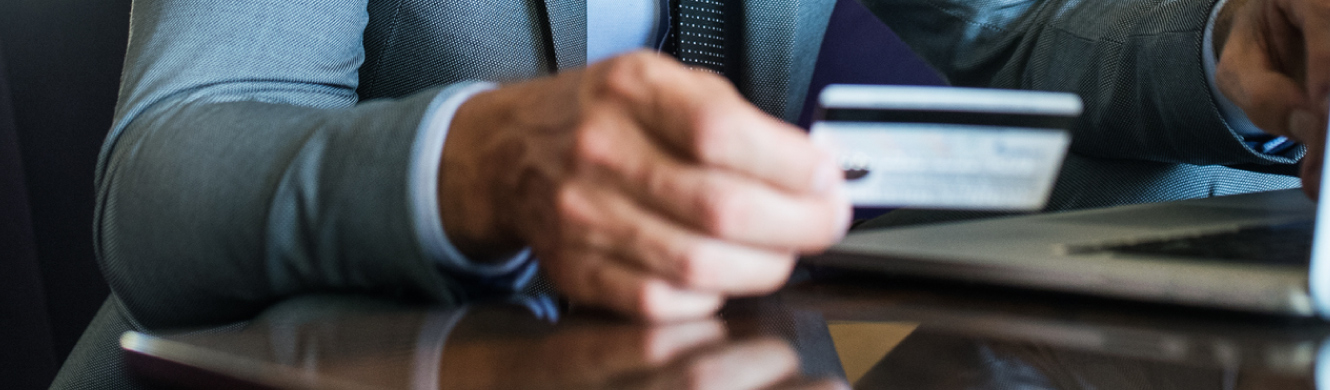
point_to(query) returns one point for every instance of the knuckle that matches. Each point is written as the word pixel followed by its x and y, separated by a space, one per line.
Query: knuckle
pixel 594 146
pixel 616 81
pixel 624 75
pixel 572 208
pixel 637 236
pixel 689 266
pixel 651 68
pixel 658 179
pixel 708 134
pixel 721 209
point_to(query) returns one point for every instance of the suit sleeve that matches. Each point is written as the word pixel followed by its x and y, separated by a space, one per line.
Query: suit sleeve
pixel 242 167
pixel 1136 63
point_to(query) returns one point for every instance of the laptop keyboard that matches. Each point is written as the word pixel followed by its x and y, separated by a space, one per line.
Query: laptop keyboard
pixel 1289 244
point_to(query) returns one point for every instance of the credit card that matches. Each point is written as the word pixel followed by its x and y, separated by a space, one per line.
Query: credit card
pixel 968 149
pixel 945 166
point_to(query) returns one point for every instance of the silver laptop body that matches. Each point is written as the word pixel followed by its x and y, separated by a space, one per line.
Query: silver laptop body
pixel 1072 252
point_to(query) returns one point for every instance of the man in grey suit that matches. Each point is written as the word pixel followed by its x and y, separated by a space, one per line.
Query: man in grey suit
pixel 264 149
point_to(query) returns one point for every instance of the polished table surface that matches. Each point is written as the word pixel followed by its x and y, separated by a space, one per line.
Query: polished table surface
pixel 868 333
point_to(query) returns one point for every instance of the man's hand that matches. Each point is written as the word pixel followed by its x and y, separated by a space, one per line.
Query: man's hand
pixel 643 186
pixel 1275 64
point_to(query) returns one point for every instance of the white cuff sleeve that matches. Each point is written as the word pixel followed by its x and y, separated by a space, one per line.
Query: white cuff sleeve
pixel 424 183
pixel 1237 120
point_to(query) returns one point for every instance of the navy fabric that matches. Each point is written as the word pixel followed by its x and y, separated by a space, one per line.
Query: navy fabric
pixel 63 62
pixel 860 49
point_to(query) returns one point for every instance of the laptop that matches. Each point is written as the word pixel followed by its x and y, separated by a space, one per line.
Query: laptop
pixel 1258 252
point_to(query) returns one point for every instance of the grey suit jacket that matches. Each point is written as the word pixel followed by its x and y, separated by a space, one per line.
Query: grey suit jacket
pixel 260 148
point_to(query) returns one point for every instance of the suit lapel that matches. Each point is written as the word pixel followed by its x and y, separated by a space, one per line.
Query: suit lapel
pixel 780 40
pixel 567 29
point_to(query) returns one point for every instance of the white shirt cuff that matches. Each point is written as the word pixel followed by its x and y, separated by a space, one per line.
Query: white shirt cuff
pixel 1237 120
pixel 424 183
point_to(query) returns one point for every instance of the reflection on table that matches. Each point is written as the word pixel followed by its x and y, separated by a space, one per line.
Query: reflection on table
pixel 815 335
pixel 333 342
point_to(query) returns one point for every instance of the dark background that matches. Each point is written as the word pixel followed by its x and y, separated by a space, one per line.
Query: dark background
pixel 60 62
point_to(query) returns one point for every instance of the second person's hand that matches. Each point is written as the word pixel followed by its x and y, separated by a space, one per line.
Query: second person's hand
pixel 1275 64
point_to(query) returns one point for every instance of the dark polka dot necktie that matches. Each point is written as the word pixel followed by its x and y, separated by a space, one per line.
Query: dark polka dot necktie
pixel 697 37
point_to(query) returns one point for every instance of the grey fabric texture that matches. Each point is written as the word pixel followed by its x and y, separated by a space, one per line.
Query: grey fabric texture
pixel 779 41
pixel 415 44
pixel 1137 64
pixel 96 362
pixel 567 26
pixel 261 148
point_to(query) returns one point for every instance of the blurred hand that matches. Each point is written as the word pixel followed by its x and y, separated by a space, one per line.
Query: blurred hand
pixel 643 186
pixel 1275 64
